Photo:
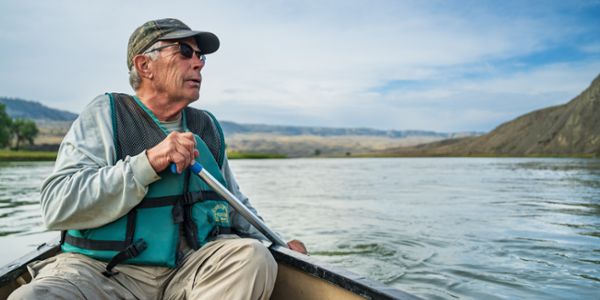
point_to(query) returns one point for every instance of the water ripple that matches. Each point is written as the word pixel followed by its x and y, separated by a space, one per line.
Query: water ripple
pixel 441 228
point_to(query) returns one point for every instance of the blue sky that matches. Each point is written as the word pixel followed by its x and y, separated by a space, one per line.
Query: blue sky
pixel 434 65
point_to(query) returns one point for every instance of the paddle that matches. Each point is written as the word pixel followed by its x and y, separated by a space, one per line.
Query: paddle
pixel 197 169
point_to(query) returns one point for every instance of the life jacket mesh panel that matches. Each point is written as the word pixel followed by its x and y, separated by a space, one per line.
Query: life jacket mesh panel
pixel 201 123
pixel 133 124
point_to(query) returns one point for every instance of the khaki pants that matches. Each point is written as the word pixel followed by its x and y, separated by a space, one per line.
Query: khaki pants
pixel 227 268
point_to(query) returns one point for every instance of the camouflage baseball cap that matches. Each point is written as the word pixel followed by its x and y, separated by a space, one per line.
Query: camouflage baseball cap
pixel 167 29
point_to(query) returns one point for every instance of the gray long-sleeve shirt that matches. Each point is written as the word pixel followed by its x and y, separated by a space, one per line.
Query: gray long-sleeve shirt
pixel 86 190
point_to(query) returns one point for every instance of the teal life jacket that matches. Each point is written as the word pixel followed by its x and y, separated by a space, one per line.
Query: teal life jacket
pixel 149 233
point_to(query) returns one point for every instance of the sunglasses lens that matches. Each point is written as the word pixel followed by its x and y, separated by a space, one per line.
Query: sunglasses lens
pixel 186 50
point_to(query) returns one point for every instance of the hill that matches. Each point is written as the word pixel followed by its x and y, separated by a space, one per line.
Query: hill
pixel 19 108
pixel 52 123
pixel 299 141
pixel 569 129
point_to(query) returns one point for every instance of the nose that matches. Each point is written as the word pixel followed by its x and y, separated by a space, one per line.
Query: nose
pixel 197 63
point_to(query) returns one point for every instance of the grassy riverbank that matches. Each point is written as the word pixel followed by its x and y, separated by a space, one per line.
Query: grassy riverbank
pixel 252 155
pixel 10 155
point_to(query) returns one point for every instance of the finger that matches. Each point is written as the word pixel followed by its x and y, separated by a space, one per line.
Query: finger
pixel 188 150
pixel 192 153
pixel 193 150
pixel 188 141
pixel 187 138
pixel 300 249
pixel 189 154
pixel 297 246
pixel 179 160
pixel 158 156
pixel 181 147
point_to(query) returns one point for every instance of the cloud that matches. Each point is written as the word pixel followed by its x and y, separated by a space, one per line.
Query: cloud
pixel 384 64
pixel 591 48
pixel 497 99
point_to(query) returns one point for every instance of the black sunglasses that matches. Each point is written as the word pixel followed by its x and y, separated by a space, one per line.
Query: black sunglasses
pixel 184 49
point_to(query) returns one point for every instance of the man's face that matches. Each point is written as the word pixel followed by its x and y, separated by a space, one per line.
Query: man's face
pixel 176 76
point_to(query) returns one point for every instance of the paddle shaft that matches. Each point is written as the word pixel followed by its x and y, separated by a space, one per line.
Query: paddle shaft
pixel 197 169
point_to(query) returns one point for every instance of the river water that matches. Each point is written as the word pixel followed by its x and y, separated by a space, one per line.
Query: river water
pixel 440 228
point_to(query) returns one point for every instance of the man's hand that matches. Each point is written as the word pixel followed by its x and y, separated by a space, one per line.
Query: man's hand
pixel 297 246
pixel 178 148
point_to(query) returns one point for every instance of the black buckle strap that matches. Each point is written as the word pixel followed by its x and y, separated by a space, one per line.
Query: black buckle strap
pixel 190 198
pixel 185 199
pixel 131 251
pixel 184 204
pixel 190 229
pixel 94 244
pixel 177 212
pixel 210 195
pixel 220 230
pixel 193 197
pixel 159 201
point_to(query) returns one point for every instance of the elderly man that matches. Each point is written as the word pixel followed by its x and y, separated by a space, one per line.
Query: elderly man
pixel 131 228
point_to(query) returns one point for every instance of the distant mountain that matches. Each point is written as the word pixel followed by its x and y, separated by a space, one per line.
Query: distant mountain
pixel 301 141
pixel 569 129
pixel 18 108
pixel 231 128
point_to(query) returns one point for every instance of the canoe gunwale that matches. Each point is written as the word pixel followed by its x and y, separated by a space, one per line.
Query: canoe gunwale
pixel 16 268
pixel 347 280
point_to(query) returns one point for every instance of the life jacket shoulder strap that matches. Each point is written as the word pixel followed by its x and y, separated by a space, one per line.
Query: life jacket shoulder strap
pixel 206 126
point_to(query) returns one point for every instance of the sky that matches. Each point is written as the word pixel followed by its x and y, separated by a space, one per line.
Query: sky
pixel 447 66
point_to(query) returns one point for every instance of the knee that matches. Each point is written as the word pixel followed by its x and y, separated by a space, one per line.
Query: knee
pixel 257 257
pixel 29 291
pixel 24 292
pixel 46 288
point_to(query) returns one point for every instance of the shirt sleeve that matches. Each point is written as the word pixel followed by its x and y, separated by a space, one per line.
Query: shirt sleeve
pixel 87 187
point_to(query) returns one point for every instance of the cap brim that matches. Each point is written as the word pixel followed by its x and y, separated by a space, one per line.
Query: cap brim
pixel 208 42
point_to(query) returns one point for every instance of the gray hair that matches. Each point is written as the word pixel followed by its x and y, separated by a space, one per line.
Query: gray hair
pixel 134 77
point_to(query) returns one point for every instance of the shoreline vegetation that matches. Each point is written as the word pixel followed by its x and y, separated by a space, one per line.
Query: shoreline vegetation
pixel 253 155
pixel 26 155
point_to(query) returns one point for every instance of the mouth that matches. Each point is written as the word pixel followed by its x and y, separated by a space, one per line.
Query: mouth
pixel 194 81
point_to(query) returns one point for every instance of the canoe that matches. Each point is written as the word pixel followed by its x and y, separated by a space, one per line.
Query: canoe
pixel 299 277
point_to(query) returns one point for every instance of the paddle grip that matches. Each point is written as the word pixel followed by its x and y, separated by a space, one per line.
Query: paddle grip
pixel 196 168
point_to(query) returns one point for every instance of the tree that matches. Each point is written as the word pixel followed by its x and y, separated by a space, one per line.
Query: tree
pixel 5 127
pixel 23 131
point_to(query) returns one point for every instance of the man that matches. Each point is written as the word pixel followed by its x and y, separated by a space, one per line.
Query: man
pixel 131 228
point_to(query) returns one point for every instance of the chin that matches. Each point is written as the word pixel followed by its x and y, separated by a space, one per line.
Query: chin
pixel 193 98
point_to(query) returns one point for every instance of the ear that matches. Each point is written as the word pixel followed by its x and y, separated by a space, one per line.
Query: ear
pixel 142 64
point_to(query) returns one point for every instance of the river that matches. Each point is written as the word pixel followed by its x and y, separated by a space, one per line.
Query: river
pixel 440 228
